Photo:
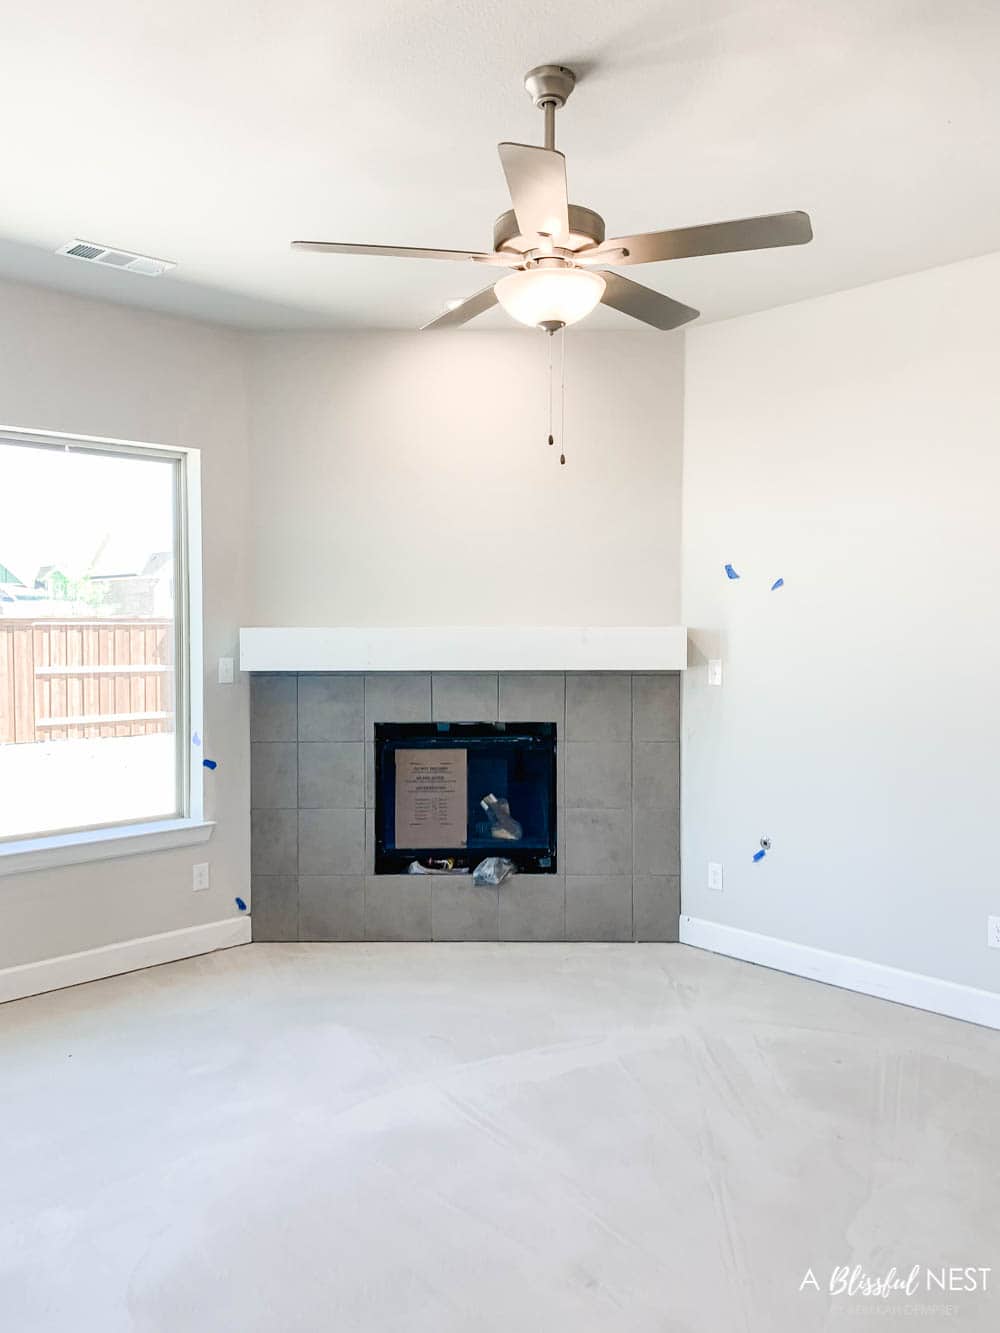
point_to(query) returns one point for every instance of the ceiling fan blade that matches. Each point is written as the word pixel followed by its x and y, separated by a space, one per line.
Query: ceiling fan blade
pixel 631 298
pixel 715 238
pixel 536 178
pixel 469 309
pixel 400 251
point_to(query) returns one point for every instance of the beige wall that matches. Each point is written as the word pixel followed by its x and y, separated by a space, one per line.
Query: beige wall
pixel 83 367
pixel 404 479
pixel 849 445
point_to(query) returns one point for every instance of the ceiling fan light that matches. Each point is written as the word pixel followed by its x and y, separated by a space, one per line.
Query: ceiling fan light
pixel 550 296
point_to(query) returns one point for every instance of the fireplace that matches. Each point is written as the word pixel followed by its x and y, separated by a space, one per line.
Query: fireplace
pixel 318 816
pixel 458 792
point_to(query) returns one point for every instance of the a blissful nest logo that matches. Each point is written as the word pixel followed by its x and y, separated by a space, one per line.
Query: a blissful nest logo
pixel 895 1283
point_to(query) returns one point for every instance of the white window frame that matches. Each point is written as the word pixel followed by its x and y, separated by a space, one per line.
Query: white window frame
pixel 18 856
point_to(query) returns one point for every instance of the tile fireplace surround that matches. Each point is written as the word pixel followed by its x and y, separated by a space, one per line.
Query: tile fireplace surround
pixel 312 855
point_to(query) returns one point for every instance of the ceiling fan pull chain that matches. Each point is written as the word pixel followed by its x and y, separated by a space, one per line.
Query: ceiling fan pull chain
pixel 562 395
pixel 551 437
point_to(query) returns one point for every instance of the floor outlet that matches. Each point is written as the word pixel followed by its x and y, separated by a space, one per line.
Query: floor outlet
pixel 993 931
pixel 199 876
pixel 715 876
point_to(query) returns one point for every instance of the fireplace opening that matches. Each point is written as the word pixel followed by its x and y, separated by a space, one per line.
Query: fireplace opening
pixel 458 792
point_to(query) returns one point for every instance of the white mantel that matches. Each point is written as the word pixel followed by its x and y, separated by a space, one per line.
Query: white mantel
pixel 591 648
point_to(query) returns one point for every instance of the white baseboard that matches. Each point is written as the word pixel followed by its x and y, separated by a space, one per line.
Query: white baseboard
pixel 128 956
pixel 856 974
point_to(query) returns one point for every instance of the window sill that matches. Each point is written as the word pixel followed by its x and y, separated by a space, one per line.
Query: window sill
pixel 64 849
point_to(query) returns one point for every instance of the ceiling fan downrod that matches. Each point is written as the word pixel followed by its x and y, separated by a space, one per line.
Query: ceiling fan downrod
pixel 548 87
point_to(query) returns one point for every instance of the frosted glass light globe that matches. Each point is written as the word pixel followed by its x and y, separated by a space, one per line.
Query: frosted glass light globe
pixel 544 296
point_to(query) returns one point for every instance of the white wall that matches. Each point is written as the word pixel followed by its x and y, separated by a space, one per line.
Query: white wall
pixel 852 446
pixel 83 367
pixel 404 479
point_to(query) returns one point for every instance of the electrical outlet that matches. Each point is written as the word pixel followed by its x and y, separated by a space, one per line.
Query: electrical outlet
pixel 199 876
pixel 715 671
pixel 993 931
pixel 227 666
pixel 715 876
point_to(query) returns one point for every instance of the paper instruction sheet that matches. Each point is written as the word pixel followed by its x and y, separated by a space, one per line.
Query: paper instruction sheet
pixel 432 807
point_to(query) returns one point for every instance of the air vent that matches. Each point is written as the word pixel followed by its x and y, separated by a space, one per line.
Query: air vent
pixel 113 258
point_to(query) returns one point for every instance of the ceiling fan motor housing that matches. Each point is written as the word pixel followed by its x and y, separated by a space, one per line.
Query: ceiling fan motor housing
pixel 585 228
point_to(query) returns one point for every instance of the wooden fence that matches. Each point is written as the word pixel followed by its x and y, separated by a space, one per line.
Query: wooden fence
pixel 75 679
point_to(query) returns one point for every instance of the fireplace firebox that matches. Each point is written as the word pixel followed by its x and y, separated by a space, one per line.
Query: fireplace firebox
pixel 453 793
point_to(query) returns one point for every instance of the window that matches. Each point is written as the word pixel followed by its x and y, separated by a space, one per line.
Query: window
pixel 95 705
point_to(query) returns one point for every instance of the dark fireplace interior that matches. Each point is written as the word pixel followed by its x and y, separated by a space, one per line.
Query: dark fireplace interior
pixel 459 792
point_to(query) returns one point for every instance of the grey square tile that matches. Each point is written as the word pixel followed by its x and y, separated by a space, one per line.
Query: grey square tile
pixel 273 709
pixel 657 842
pixel 398 907
pixel 656 775
pixel 274 908
pixel 596 842
pixel 598 707
pixel 273 775
pixel 331 775
pixel 599 907
pixel 598 775
pixel 274 842
pixel 331 842
pixel 527 696
pixel 331 907
pixel 331 708
pixel 462 911
pixel 656 708
pixel 657 906
pixel 393 696
pixel 533 907
pixel 464 696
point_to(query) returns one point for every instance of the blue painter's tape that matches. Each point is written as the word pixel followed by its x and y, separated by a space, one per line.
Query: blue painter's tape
pixel 731 573
pixel 210 763
pixel 241 904
pixel 759 856
pixel 195 739
pixel 778 583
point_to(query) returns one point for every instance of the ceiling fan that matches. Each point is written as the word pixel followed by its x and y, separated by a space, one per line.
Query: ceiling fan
pixel 559 258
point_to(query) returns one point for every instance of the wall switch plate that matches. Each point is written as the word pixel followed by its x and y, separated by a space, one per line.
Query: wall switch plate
pixel 226 670
pixel 993 931
pixel 715 671
pixel 715 876
pixel 199 876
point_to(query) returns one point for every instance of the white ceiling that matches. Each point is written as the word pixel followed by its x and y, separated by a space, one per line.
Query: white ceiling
pixel 212 134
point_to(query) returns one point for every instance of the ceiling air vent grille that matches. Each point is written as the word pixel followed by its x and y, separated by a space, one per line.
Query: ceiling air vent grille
pixel 113 258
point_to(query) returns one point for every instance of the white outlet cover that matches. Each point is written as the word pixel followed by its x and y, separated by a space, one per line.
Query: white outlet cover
pixel 993 931
pixel 226 670
pixel 715 671
pixel 715 876
pixel 199 876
